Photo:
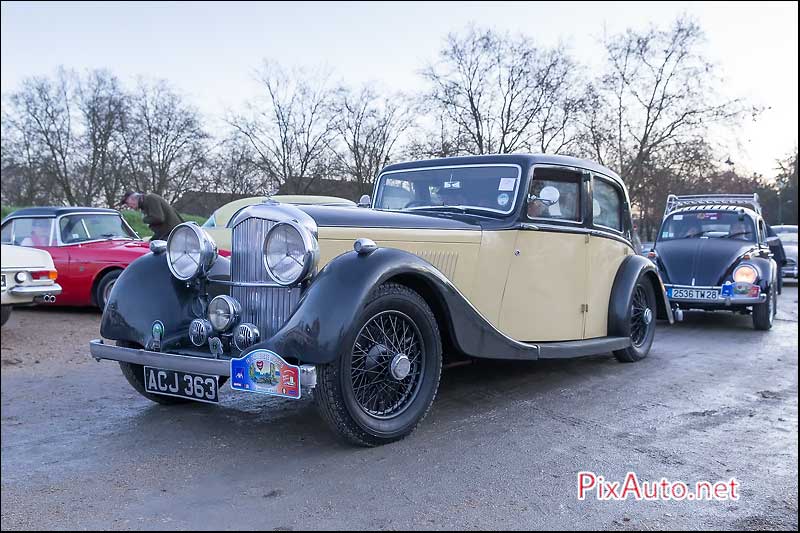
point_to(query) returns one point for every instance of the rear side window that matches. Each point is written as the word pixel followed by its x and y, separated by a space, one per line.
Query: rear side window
pixel 607 205
pixel 28 232
pixel 7 233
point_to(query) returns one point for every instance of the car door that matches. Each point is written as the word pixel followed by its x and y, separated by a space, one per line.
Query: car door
pixel 608 247
pixel 545 291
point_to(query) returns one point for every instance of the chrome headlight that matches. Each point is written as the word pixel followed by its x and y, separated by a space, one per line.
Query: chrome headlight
pixel 190 251
pixel 290 253
pixel 223 312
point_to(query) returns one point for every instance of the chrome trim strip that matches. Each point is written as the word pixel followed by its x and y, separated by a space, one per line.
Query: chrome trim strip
pixel 229 283
pixel 168 361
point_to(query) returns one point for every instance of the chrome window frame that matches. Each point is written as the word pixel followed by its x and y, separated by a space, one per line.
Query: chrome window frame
pixel 439 167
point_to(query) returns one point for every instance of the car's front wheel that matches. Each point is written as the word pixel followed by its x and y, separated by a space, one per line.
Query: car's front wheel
pixel 384 383
pixel 104 286
pixel 5 314
pixel 643 323
pixel 764 314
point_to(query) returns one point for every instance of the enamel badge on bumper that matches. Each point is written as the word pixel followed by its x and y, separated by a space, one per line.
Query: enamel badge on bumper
pixel 265 372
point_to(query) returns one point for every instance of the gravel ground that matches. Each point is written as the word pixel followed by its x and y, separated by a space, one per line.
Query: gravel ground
pixel 500 449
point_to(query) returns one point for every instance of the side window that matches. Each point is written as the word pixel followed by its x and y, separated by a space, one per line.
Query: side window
pixel 555 195
pixel 7 233
pixel 31 231
pixel 73 230
pixel 762 232
pixel 606 205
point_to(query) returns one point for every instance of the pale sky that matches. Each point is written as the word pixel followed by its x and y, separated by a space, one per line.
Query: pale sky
pixel 208 50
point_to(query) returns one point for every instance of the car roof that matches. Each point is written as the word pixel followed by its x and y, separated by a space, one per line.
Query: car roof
pixel 58 211
pixel 719 207
pixel 515 159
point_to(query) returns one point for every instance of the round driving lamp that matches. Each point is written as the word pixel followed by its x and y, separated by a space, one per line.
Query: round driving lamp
pixel 21 277
pixel 745 274
pixel 190 251
pixel 290 253
pixel 223 312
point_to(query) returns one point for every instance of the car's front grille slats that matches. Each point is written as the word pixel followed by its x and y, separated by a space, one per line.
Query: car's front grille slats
pixel 266 307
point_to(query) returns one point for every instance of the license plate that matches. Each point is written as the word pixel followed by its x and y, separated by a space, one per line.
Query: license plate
pixel 198 387
pixel 693 294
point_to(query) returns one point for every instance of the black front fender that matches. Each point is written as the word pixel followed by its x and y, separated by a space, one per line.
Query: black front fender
pixel 147 291
pixel 326 319
pixel 630 271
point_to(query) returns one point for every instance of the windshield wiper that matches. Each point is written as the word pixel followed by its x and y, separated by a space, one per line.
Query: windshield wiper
pixel 737 234
pixel 452 209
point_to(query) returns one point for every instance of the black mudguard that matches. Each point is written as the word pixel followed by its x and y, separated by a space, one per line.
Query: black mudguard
pixel 325 321
pixel 632 268
pixel 147 291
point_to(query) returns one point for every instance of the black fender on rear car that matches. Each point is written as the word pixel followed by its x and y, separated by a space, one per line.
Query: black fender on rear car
pixel 632 268
pixel 324 319
pixel 147 291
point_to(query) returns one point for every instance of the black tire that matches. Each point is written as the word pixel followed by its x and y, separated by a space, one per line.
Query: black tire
pixel 764 314
pixel 103 288
pixel 397 405
pixel 135 375
pixel 5 314
pixel 643 323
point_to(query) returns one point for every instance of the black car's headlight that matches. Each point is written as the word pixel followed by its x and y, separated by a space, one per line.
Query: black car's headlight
pixel 190 251
pixel 290 253
pixel 745 274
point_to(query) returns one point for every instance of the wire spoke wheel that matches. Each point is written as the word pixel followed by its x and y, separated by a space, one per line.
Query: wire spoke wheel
pixel 387 367
pixel 641 317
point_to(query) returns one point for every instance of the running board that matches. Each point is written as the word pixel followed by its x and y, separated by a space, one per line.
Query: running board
pixel 566 350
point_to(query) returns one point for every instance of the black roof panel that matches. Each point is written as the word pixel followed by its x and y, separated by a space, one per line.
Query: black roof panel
pixel 57 211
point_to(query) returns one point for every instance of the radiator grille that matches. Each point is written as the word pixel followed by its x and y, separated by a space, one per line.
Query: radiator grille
pixel 266 307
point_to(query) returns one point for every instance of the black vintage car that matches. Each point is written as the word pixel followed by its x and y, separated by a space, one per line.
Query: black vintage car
pixel 509 256
pixel 713 253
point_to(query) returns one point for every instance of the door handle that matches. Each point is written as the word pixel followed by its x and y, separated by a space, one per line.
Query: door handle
pixel 530 227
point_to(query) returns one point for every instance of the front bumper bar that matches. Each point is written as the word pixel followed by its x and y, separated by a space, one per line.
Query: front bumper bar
pixel 181 363
pixel 168 361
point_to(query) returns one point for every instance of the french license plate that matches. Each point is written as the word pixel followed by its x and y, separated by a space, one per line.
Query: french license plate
pixel 198 387
pixel 693 294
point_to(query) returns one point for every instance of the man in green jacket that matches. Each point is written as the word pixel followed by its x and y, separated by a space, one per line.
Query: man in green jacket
pixel 158 214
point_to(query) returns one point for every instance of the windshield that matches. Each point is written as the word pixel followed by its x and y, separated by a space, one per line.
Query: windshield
pixel 91 227
pixel 491 188
pixel 211 222
pixel 705 224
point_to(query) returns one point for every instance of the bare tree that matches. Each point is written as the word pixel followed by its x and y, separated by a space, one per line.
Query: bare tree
pixel 164 142
pixel 101 103
pixel 42 107
pixel 505 93
pixel 235 169
pixel 368 127
pixel 657 98
pixel 290 126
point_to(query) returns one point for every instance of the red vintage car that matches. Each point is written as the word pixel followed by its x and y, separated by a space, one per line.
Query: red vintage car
pixel 90 247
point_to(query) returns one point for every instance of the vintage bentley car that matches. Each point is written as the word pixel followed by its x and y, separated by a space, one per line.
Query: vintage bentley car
pixel 519 257
pixel 713 253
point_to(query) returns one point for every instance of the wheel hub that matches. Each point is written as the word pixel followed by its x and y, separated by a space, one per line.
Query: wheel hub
pixel 400 367
pixel 648 316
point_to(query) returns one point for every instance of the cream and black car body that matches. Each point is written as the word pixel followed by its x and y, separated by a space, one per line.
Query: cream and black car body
pixel 518 257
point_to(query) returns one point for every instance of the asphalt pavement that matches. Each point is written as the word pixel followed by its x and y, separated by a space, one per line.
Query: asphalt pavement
pixel 500 449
